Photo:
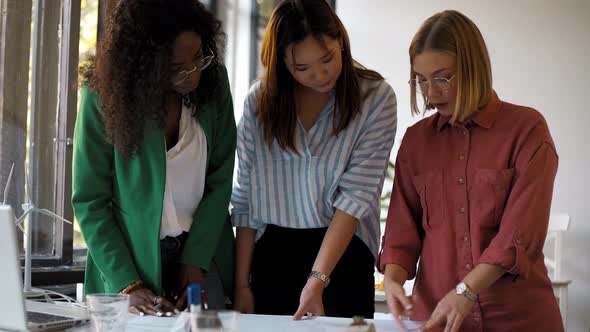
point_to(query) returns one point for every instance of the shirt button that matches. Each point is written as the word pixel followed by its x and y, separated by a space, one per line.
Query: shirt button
pixel 461 156
pixel 465 239
pixel 468 267
pixel 464 132
pixel 461 181
pixel 519 241
pixel 462 210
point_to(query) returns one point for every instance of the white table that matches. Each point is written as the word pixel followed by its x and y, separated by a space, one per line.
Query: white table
pixel 263 323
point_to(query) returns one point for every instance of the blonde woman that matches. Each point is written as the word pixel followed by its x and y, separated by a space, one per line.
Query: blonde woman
pixel 471 196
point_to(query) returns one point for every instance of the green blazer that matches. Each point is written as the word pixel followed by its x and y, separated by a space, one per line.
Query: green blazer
pixel 118 203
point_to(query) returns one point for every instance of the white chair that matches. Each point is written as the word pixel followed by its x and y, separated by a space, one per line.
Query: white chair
pixel 558 224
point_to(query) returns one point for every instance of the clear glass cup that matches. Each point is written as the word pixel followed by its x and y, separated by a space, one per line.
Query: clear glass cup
pixel 108 312
pixel 229 319
pixel 214 321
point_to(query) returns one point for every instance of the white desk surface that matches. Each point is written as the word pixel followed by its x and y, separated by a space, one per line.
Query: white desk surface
pixel 263 323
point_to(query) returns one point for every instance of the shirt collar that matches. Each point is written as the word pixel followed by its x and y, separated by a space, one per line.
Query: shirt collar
pixel 485 117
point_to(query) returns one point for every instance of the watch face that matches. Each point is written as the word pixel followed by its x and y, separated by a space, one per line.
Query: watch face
pixel 460 288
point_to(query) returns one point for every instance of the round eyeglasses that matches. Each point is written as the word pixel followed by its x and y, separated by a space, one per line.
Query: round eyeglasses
pixel 200 65
pixel 442 84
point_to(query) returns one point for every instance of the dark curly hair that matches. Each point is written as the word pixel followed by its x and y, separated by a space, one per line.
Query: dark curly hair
pixel 131 70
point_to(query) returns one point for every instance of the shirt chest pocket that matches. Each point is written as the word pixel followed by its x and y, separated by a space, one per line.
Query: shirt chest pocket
pixel 489 194
pixel 430 189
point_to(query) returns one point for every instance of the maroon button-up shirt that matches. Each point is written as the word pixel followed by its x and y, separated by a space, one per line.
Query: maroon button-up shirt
pixel 477 193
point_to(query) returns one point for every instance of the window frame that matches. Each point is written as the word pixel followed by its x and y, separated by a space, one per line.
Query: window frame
pixel 54 21
pixel 53 55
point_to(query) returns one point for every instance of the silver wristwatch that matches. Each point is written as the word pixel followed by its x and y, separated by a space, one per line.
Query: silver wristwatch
pixel 463 289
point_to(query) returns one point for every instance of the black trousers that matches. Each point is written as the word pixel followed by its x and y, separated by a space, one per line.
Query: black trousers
pixel 171 249
pixel 282 260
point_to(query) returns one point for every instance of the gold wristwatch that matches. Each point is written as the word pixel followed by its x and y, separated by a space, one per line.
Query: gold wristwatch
pixel 319 275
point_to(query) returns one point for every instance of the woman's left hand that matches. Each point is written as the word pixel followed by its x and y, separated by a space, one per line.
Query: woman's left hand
pixel 452 309
pixel 188 275
pixel 310 300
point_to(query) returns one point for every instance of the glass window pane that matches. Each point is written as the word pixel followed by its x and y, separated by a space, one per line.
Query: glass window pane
pixel 88 35
pixel 33 106
pixel 42 127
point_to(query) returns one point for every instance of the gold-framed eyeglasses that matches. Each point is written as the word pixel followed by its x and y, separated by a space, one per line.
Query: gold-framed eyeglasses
pixel 180 76
pixel 442 84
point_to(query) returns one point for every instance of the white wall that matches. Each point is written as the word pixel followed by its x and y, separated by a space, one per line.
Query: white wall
pixel 540 58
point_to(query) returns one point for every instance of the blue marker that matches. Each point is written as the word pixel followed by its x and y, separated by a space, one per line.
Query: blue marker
pixel 194 298
pixel 201 319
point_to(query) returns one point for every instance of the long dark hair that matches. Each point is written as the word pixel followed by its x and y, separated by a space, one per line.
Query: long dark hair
pixel 131 71
pixel 291 22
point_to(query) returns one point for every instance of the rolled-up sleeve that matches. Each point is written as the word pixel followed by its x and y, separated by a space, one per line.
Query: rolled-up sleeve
pixel 402 240
pixel 524 223
pixel 360 185
pixel 246 150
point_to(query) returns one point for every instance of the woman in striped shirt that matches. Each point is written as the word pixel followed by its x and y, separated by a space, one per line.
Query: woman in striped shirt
pixel 313 145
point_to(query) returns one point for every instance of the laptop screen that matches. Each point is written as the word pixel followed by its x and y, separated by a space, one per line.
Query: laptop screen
pixel 12 308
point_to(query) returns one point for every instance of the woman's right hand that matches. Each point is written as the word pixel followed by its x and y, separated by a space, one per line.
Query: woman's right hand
pixel 244 300
pixel 142 301
pixel 399 304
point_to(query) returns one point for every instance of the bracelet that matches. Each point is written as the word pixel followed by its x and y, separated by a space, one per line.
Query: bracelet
pixel 132 286
pixel 319 275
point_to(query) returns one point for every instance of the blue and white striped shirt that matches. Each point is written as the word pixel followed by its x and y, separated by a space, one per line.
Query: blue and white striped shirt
pixel 344 172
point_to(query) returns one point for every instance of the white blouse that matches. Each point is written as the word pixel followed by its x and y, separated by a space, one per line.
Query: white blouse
pixel 185 176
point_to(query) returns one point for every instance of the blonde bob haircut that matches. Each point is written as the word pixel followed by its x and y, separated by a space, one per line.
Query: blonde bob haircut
pixel 455 34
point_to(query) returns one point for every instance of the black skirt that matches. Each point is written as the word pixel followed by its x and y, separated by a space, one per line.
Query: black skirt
pixel 282 260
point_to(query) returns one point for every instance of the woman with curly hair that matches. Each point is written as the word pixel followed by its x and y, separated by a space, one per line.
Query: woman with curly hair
pixel 154 155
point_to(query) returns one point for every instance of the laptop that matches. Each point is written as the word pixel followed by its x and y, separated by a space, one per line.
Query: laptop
pixel 14 314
